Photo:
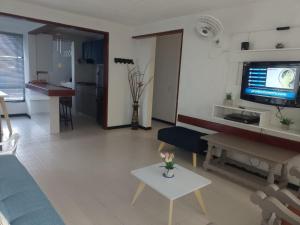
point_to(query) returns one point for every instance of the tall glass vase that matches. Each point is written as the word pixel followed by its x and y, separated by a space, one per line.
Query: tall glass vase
pixel 135 116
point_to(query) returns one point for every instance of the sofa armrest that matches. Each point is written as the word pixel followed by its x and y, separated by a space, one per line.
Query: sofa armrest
pixel 271 206
pixel 283 195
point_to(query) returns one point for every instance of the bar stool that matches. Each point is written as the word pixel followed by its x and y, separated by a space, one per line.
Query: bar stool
pixel 65 111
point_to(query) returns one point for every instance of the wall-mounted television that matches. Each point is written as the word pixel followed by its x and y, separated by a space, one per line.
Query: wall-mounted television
pixel 272 83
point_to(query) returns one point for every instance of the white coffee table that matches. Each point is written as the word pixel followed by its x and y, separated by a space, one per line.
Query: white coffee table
pixel 184 182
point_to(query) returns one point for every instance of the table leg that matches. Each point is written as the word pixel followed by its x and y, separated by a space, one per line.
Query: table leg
pixel 171 212
pixel 138 192
pixel 208 157
pixel 161 146
pixel 223 156
pixel 200 200
pixel 284 174
pixel 195 160
pixel 271 176
pixel 5 113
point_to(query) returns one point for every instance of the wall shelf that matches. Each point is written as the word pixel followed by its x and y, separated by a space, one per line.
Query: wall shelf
pixel 220 111
pixel 265 55
pixel 264 126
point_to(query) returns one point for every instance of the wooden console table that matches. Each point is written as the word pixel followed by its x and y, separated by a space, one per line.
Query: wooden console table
pixel 272 155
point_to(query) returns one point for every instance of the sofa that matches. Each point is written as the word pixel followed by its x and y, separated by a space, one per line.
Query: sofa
pixel 21 200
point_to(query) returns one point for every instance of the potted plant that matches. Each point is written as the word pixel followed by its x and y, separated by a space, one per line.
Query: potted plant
pixel 169 164
pixel 228 99
pixel 286 123
pixel 137 87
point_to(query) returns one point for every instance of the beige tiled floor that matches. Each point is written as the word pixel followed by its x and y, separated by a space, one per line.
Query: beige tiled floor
pixel 86 175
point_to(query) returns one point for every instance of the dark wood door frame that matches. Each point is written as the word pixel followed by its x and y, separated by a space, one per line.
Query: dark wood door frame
pixel 106 54
pixel 159 34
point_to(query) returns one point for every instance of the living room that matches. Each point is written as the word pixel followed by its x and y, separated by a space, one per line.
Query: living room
pixel 91 175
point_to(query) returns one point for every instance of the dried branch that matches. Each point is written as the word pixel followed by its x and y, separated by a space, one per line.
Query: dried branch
pixel 136 81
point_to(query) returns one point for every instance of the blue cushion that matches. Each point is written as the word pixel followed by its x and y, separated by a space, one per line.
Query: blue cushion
pixel 21 200
pixel 183 138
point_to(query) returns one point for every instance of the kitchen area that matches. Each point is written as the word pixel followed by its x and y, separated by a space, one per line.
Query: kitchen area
pixel 66 76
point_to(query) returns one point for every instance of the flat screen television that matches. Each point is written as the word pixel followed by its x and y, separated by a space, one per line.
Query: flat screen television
pixel 272 83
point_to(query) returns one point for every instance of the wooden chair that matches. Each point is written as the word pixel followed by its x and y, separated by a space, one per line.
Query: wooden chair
pixel 295 171
pixel 273 211
pixel 9 147
pixel 283 205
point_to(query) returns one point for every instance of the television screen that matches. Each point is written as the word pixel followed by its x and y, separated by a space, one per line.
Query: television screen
pixel 273 83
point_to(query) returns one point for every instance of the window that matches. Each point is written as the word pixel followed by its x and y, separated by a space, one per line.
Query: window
pixel 12 66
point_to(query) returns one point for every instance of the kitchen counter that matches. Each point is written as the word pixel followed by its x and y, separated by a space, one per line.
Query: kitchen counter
pixel 51 90
pixel 52 94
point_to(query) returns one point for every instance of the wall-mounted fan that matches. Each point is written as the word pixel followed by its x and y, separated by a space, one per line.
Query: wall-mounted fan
pixel 209 27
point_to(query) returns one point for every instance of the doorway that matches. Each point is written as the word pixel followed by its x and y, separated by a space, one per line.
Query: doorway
pixel 163 103
pixel 93 55
pixel 166 77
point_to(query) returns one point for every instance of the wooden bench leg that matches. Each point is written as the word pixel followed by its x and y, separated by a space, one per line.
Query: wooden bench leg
pixel 161 146
pixel 194 159
pixel 223 156
pixel 271 175
pixel 284 174
pixel 208 156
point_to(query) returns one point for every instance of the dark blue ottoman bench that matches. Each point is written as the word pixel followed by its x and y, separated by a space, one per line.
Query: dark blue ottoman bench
pixel 183 138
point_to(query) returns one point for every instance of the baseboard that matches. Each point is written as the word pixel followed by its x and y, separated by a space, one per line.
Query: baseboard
pixel 119 127
pixel 145 128
pixel 128 126
pixel 18 115
pixel 163 121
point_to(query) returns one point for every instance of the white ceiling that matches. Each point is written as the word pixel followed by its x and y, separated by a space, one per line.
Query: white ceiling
pixel 136 12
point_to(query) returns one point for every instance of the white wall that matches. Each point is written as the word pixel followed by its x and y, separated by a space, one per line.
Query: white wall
pixel 120 45
pixel 206 69
pixel 208 72
pixel 167 64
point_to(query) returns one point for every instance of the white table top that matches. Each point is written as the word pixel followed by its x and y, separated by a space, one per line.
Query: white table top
pixel 184 182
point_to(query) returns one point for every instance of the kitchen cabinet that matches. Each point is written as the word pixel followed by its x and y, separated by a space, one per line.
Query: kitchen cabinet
pixel 92 51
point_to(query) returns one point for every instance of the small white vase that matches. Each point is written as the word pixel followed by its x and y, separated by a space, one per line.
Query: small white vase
pixel 168 173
